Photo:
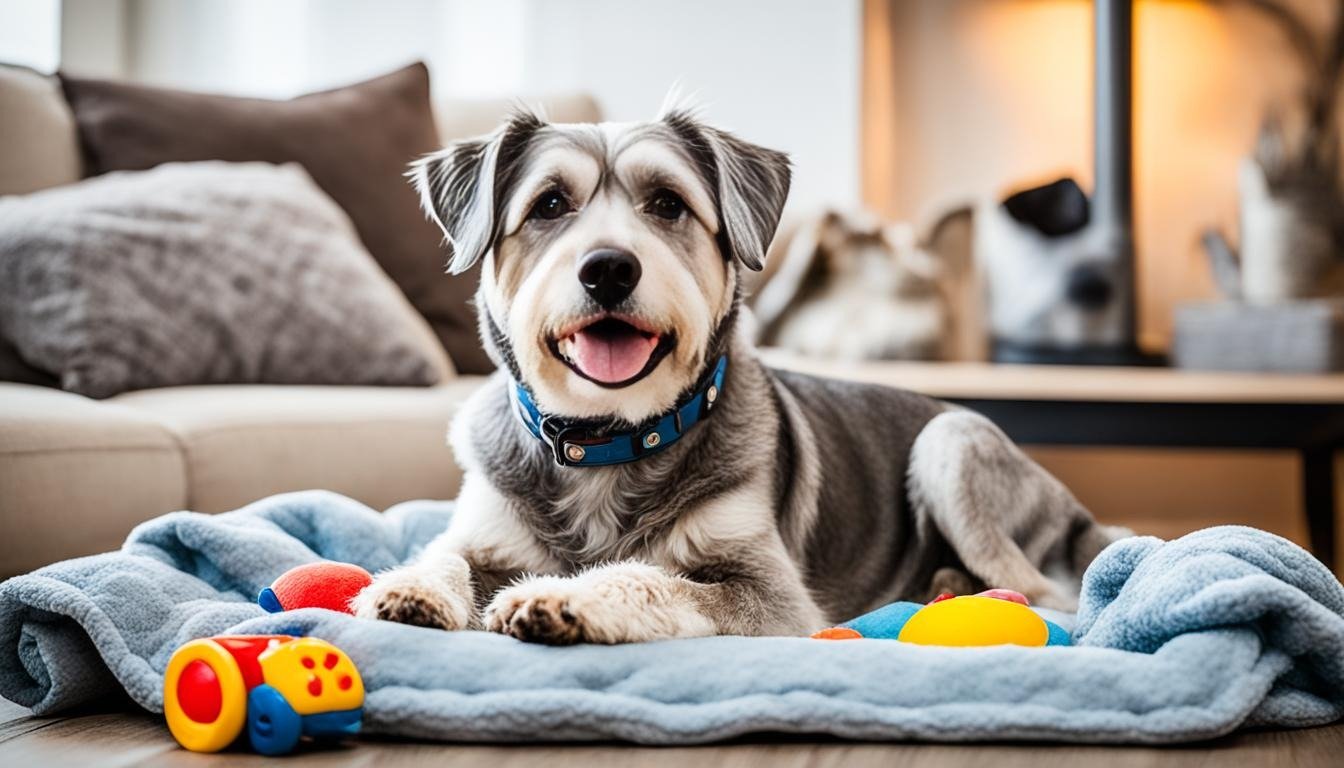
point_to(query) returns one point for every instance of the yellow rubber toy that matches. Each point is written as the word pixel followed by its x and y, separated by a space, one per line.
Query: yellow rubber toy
pixel 971 620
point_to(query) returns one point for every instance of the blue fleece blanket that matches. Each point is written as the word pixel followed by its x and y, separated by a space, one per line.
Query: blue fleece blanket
pixel 1176 641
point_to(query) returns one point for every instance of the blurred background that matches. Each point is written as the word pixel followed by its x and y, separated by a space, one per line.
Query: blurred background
pixel 946 157
pixel 790 80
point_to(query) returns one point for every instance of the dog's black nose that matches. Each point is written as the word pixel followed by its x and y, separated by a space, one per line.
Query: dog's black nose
pixel 609 275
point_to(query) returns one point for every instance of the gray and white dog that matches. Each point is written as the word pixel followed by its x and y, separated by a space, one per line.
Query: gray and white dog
pixel 633 472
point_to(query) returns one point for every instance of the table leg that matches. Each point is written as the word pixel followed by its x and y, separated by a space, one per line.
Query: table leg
pixel 1318 496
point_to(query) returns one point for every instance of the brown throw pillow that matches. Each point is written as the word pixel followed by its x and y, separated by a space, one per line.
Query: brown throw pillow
pixel 354 141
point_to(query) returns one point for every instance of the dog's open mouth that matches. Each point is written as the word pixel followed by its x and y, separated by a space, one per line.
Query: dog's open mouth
pixel 612 352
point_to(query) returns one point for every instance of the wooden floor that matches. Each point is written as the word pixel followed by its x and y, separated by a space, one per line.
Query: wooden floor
pixel 121 740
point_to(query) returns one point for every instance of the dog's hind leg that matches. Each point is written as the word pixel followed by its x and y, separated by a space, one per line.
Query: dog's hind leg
pixel 1007 518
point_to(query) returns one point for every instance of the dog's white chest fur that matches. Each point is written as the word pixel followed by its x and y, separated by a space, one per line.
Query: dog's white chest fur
pixel 600 508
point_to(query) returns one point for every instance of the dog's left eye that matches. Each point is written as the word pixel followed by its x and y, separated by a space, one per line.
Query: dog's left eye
pixel 551 205
pixel 666 204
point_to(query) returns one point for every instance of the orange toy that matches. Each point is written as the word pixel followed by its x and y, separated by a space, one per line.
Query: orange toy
pixel 315 585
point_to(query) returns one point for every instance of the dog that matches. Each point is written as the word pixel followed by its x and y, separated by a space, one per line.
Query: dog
pixel 632 472
pixel 843 285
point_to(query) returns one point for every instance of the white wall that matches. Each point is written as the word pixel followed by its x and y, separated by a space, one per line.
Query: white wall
pixel 94 37
pixel 30 33
pixel 784 73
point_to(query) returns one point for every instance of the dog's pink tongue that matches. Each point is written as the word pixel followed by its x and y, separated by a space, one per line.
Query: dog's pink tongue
pixel 612 358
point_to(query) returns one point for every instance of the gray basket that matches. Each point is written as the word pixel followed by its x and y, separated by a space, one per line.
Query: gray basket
pixel 1293 337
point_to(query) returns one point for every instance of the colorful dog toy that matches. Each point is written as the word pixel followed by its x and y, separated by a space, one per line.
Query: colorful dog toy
pixel 993 617
pixel 280 687
pixel 315 585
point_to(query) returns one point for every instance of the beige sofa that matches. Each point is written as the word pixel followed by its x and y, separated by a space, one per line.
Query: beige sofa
pixel 77 474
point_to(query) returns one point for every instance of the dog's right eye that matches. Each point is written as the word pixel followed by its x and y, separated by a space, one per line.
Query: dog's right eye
pixel 667 204
pixel 551 205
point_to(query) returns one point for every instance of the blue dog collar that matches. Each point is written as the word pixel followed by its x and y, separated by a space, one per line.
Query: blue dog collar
pixel 575 446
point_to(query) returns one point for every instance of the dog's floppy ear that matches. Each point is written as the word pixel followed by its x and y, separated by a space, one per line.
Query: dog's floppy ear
pixel 751 184
pixel 459 186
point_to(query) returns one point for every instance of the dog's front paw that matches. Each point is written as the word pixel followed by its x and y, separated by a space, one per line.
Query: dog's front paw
pixel 412 597
pixel 538 611
pixel 620 603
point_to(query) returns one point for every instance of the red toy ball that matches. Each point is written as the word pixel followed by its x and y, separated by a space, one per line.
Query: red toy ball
pixel 315 585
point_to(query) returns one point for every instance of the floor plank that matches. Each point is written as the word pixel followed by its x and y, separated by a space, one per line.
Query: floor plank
pixel 123 740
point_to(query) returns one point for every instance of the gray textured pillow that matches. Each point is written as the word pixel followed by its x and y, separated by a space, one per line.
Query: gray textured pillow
pixel 202 273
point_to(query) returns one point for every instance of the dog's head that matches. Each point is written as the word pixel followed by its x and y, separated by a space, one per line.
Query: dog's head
pixel 611 251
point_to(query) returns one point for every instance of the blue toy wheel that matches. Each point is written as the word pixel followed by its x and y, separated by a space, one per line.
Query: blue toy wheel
pixel 273 726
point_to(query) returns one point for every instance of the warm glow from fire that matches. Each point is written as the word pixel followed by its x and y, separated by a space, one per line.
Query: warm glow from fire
pixel 1035 63
pixel 1003 99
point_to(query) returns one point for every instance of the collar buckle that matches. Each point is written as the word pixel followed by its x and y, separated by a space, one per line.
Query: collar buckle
pixel 565 446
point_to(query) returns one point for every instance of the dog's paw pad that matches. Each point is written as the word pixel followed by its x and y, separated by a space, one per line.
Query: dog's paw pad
pixel 408 603
pixel 537 619
pixel 414 608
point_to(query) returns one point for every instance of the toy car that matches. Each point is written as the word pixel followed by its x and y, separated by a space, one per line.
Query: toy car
pixel 281 687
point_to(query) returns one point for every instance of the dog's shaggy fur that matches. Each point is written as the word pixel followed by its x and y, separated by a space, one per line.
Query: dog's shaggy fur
pixel 796 502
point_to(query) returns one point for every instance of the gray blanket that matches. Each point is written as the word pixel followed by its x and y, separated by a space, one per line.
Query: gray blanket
pixel 1176 641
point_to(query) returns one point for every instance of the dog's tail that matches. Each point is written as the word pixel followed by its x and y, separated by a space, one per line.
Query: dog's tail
pixel 1090 541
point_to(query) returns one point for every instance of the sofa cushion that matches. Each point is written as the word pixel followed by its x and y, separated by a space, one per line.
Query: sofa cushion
pixel 355 141
pixel 377 445
pixel 197 273
pixel 76 475
pixel 40 147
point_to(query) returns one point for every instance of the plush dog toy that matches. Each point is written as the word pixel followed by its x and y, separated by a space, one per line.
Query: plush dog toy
pixel 993 617
pixel 315 585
